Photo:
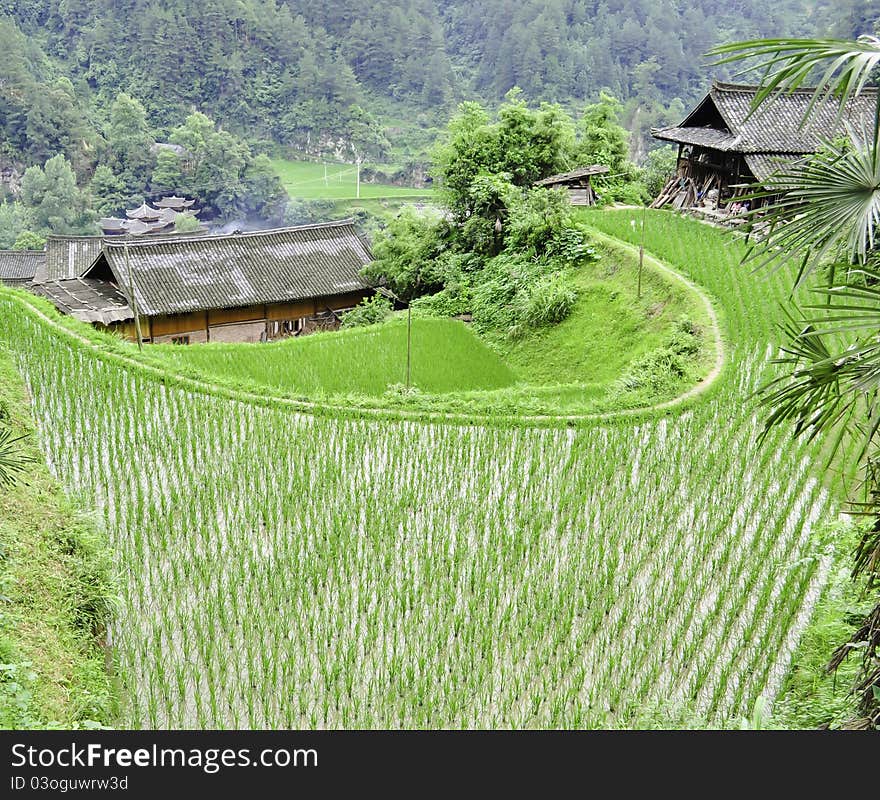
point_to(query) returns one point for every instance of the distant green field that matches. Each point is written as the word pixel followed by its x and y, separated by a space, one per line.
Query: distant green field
pixel 305 180
pixel 446 357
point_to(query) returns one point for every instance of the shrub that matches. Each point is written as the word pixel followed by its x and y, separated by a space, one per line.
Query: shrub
pixel 406 255
pixel 667 364
pixel 573 246
pixel 550 301
pixel 371 311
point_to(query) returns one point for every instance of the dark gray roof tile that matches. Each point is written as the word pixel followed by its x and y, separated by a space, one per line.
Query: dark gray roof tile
pixel 18 267
pixel 778 126
pixel 182 274
pixel 87 299
pixel 68 257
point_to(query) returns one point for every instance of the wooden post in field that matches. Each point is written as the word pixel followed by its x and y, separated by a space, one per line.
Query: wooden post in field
pixel 137 319
pixel 641 253
pixel 408 343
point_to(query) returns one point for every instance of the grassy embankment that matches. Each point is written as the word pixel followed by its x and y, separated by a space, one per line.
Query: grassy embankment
pixel 54 593
pixel 602 357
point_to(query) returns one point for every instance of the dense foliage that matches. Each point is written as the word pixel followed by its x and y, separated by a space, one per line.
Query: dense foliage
pixel 499 247
pixel 348 76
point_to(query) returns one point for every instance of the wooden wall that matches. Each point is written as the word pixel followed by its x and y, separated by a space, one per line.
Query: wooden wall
pixel 244 324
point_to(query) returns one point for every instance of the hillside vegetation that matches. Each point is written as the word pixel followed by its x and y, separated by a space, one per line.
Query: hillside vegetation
pixel 56 592
pixel 348 75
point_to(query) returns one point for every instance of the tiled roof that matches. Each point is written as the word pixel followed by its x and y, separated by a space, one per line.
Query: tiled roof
pixel 181 274
pixel 762 165
pixel 18 267
pixel 68 257
pixel 705 137
pixel 778 125
pixel 87 299
pixel 564 177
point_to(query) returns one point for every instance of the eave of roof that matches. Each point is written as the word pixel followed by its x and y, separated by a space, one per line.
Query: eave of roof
pixel 582 172
pixel 704 137
pixel 88 300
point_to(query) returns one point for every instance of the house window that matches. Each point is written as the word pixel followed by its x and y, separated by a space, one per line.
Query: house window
pixel 180 340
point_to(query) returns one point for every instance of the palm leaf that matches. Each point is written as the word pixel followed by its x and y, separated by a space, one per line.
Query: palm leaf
pixel 828 202
pixel 12 460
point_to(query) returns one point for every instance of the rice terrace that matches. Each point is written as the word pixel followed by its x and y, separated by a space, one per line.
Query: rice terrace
pixel 412 366
pixel 379 571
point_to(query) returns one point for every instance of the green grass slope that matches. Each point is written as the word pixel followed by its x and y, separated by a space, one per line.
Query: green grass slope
pixel 446 357
pixel 54 594
pixel 609 329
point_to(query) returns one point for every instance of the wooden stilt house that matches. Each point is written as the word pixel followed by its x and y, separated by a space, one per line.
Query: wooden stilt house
pixel 724 148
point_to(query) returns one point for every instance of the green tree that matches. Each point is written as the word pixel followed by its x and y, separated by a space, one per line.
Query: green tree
pixel 15 219
pixel 224 174
pixel 405 255
pixel 130 140
pixel 603 140
pixel 827 209
pixel 108 192
pixel 28 240
pixel 53 199
pixel 167 175
pixel 261 189
pixel 523 144
pixel 659 168
pixel 186 223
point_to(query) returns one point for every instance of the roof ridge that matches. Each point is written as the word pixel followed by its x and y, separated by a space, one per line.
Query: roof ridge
pixel 724 86
pixel 116 242
pixel 77 237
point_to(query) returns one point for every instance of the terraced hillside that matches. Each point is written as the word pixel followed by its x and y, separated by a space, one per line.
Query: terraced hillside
pixel 289 569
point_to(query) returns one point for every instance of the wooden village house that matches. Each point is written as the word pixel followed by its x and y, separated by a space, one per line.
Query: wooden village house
pixel 243 287
pixel 722 149
pixel 577 183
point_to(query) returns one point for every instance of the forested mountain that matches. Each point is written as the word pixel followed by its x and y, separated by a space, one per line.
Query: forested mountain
pixel 346 76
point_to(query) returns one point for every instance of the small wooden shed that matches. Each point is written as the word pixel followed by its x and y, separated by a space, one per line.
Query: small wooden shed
pixel 577 182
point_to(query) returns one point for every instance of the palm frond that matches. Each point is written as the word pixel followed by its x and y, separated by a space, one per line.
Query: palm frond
pixel 830 201
pixel 12 459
